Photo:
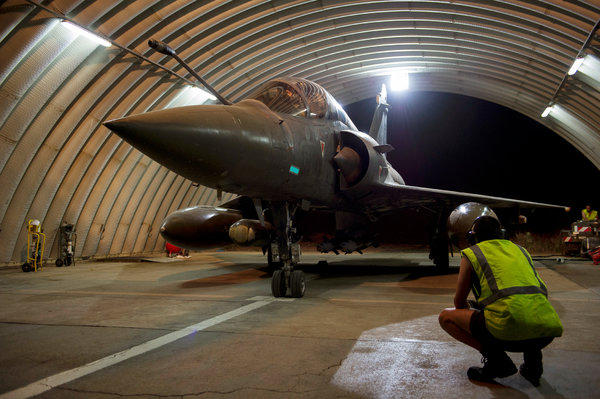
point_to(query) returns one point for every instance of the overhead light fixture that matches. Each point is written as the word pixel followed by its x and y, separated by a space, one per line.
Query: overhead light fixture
pixel 191 95
pixel 575 66
pixel 201 95
pixel 83 32
pixel 547 111
pixel 399 81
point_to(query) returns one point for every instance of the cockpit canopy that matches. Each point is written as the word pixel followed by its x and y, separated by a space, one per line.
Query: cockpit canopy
pixel 303 98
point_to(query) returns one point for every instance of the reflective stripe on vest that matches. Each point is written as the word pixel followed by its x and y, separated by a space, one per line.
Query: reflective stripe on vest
pixel 493 285
pixel 515 306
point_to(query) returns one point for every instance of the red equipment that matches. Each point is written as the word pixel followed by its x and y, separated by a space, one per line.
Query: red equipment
pixel 595 254
pixel 172 250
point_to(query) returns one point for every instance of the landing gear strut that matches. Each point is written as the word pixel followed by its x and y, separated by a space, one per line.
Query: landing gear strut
pixel 285 251
pixel 440 243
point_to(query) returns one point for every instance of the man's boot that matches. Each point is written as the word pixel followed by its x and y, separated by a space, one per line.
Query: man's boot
pixel 532 367
pixel 496 364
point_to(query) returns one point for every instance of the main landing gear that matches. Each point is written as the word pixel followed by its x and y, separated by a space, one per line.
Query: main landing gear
pixel 440 243
pixel 284 253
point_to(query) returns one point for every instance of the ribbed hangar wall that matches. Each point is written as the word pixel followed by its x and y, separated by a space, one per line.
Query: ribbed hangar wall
pixel 58 163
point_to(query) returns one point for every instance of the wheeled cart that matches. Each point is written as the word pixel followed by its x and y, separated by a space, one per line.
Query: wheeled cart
pixel 583 238
pixel 66 245
pixel 36 240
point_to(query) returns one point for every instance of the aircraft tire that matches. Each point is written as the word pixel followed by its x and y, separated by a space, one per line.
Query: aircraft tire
pixel 297 284
pixel 278 287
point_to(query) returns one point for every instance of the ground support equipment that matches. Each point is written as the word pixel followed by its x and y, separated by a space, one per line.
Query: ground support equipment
pixel 36 241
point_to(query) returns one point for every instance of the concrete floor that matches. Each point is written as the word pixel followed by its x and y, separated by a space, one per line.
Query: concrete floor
pixel 207 327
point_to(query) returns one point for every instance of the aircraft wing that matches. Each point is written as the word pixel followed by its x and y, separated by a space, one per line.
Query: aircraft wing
pixel 387 196
pixel 375 187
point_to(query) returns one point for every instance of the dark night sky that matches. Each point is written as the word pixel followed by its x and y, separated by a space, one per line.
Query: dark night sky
pixel 461 143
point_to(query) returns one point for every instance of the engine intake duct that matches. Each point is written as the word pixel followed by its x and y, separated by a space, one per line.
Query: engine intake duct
pixel 352 159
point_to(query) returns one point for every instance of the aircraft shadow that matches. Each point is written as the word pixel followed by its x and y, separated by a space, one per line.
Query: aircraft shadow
pixel 378 269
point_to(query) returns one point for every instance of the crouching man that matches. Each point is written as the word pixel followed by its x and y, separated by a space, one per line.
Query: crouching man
pixel 512 312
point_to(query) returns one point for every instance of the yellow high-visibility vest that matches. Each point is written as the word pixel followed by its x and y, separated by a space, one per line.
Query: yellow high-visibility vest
pixel 510 291
pixel 589 216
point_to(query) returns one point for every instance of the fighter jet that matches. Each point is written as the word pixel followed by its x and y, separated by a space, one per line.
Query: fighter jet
pixel 287 149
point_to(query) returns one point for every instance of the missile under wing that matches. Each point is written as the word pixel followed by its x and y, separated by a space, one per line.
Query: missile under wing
pixel 287 149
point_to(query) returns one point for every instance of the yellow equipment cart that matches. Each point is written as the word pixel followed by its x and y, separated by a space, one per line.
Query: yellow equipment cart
pixel 36 240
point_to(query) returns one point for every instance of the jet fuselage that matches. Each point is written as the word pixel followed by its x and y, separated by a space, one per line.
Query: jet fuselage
pixel 249 149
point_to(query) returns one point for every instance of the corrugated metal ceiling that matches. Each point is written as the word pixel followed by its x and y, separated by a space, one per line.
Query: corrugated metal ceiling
pixel 58 163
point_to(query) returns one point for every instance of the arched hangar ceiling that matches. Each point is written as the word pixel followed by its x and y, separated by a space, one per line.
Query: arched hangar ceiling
pixel 58 163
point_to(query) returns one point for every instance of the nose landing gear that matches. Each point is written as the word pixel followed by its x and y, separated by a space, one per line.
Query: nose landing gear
pixel 287 277
pixel 285 251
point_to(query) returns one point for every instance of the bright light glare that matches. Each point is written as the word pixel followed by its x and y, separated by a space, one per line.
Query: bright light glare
pixel 80 31
pixel 576 65
pixel 201 95
pixel 546 112
pixel 191 95
pixel 399 81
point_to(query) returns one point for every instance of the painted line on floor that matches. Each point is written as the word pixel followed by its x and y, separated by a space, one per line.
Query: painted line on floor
pixel 120 293
pixel 56 380
pixel 388 301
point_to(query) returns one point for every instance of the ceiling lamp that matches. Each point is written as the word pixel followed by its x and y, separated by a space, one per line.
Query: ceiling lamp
pixel 575 66
pixel 399 81
pixel 547 111
pixel 83 32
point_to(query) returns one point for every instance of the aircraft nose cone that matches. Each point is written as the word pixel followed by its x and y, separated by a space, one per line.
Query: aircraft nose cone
pixel 119 126
pixel 184 139
pixel 175 124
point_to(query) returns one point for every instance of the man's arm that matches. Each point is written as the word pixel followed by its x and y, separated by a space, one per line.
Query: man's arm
pixel 463 285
